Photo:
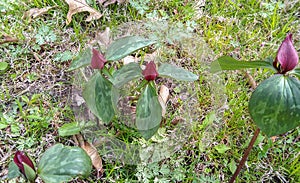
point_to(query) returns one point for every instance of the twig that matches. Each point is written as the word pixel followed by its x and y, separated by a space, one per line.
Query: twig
pixel 245 156
pixel 250 146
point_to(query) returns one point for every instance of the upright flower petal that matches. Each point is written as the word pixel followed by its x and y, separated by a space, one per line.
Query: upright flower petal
pixel 98 60
pixel 287 56
pixel 150 72
pixel 21 158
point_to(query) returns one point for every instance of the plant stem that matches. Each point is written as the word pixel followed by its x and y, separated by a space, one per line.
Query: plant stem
pixel 245 156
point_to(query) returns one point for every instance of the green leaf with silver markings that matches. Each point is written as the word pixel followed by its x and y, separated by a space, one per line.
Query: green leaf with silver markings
pixel 126 45
pixel 148 112
pixel 62 163
pixel 177 73
pixel 29 172
pixel 69 129
pixel 82 60
pixel 13 170
pixel 275 104
pixel 101 97
pixel 127 73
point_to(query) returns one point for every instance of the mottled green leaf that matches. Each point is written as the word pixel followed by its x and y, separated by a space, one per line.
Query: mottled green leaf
pixel 126 45
pixel 101 97
pixel 148 112
pixel 82 60
pixel 69 129
pixel 62 163
pixel 13 170
pixel 88 94
pixel 229 63
pixel 104 98
pixel 127 73
pixel 177 73
pixel 275 104
pixel 29 172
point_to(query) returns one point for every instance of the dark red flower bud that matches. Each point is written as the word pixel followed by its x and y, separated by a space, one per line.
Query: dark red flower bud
pixel 287 56
pixel 98 60
pixel 150 72
pixel 20 158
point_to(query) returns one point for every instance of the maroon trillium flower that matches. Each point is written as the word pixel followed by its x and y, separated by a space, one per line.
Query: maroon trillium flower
pixel 150 72
pixel 98 60
pixel 20 158
pixel 287 56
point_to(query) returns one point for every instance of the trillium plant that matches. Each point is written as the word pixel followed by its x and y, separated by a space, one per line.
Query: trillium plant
pixel 275 103
pixel 101 92
pixel 58 164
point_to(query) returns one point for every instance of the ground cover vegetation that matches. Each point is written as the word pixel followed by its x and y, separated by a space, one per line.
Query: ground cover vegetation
pixel 207 125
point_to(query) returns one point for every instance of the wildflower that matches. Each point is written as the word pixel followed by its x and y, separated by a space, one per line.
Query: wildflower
pixel 150 72
pixel 287 56
pixel 21 160
pixel 98 60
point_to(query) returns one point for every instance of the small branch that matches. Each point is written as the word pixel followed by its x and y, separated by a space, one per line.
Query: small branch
pixel 245 156
pixel 250 146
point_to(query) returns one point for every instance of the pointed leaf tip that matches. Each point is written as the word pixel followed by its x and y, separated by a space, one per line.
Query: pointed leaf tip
pixel 287 56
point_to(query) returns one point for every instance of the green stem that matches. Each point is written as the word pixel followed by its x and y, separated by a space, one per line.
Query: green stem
pixel 107 73
pixel 245 156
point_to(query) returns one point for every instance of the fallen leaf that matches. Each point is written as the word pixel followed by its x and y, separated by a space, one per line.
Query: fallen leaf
pixel 163 98
pixel 93 154
pixel 35 12
pixel 108 2
pixel 103 38
pixel 7 39
pixel 77 6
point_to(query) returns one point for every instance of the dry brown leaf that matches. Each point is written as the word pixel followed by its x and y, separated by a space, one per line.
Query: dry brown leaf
pixel 163 98
pixel 102 38
pixel 77 6
pixel 7 39
pixel 93 154
pixel 108 2
pixel 35 12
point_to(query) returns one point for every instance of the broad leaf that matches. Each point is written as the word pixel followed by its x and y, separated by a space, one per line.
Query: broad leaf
pixel 275 104
pixel 62 163
pixel 101 97
pixel 127 73
pixel 229 63
pixel 88 94
pixel 69 129
pixel 177 73
pixel 82 60
pixel 13 170
pixel 105 103
pixel 148 112
pixel 126 45
pixel 29 172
